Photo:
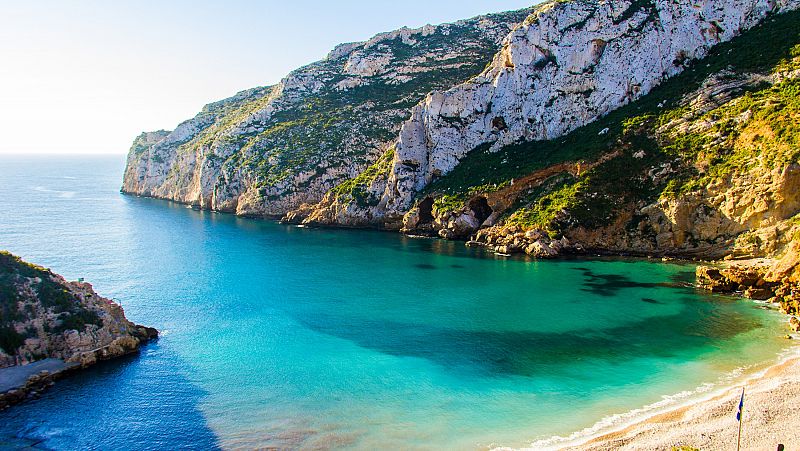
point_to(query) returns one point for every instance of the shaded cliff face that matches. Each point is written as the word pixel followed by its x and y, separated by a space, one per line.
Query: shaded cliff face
pixel 268 150
pixel 567 65
pixel 44 316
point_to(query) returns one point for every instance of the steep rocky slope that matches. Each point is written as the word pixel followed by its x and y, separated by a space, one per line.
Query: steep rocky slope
pixel 44 316
pixel 706 165
pixel 268 150
pixel 568 64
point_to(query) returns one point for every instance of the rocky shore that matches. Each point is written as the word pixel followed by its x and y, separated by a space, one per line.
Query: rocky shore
pixel 49 326
pixel 774 280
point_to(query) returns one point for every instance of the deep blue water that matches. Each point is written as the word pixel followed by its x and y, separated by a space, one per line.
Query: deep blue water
pixel 281 336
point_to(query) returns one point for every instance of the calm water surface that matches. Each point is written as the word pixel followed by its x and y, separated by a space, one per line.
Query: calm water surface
pixel 299 338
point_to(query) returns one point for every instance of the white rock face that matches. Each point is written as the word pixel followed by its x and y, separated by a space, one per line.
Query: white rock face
pixel 268 150
pixel 567 65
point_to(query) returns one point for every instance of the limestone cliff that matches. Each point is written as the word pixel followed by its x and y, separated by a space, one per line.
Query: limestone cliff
pixel 44 316
pixel 705 166
pixel 647 127
pixel 268 150
pixel 568 64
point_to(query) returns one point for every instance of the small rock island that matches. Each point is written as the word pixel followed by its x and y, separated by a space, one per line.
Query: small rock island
pixel 49 326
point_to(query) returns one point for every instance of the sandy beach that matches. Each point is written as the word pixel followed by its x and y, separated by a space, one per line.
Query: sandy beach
pixel 771 417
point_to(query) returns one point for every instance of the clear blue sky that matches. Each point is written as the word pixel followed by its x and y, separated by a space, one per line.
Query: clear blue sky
pixel 87 76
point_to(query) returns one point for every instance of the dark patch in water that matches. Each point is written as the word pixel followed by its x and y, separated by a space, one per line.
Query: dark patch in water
pixel 168 417
pixel 458 266
pixel 424 266
pixel 651 301
pixel 610 284
pixel 527 353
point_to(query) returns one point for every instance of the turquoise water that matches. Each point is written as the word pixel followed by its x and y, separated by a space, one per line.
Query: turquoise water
pixel 281 336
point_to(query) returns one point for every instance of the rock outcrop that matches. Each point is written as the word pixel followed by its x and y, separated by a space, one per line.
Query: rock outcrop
pixel 763 281
pixel 31 388
pixel 44 316
pixel 268 150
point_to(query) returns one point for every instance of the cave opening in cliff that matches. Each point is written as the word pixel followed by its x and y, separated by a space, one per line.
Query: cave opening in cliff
pixel 426 211
pixel 480 207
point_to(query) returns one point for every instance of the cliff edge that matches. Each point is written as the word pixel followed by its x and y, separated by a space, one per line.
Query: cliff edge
pixel 44 318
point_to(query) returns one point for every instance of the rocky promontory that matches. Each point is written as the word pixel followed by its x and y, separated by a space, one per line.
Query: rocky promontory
pixel 48 322
pixel 268 150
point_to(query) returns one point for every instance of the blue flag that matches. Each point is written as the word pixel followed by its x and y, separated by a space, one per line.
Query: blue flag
pixel 739 411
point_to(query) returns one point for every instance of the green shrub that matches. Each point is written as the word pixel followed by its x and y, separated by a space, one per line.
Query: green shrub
pixel 357 189
pixel 78 321
pixel 10 340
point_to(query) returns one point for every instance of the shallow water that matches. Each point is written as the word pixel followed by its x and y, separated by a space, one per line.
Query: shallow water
pixel 281 336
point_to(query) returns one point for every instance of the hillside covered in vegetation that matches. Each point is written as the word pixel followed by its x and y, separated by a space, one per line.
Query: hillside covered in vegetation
pixel 268 150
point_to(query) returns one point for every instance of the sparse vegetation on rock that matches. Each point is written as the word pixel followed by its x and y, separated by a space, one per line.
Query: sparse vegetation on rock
pixel 44 316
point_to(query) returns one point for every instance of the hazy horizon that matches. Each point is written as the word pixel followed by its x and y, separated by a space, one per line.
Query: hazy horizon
pixel 86 78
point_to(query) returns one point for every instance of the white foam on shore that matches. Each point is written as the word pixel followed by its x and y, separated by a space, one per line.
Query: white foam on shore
pixel 618 422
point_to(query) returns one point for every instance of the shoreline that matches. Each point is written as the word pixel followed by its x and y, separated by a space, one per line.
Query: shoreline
pixel 705 419
pixel 702 418
pixel 587 253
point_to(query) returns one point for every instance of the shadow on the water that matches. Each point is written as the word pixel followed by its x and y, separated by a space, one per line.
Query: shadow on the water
pixel 651 301
pixel 119 404
pixel 424 266
pixel 609 285
pixel 527 353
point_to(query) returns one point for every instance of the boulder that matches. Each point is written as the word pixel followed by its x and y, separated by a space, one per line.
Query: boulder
pixel 794 324
pixel 743 277
pixel 713 280
pixel 540 249
pixel 759 294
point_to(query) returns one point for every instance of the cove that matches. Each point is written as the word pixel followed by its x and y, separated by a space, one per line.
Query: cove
pixel 280 336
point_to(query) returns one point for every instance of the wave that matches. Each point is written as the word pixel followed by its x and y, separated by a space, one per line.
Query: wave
pixel 61 194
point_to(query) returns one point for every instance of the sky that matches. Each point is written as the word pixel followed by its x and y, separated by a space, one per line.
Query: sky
pixel 88 76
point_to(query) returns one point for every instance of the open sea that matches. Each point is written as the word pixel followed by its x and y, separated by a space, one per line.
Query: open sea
pixel 296 338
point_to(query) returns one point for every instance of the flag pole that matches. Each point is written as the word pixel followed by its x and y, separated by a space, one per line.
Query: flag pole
pixel 741 419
